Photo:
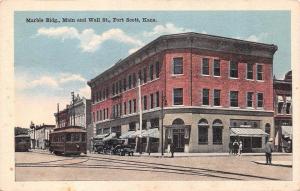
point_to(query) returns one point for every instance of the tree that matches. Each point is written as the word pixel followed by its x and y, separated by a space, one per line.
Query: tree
pixel 21 131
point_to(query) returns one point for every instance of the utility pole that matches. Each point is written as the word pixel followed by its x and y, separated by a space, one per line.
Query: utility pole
pixel 73 105
pixel 140 113
pixel 58 124
pixel 162 123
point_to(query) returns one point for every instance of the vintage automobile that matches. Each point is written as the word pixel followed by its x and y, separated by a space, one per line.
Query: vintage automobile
pixel 122 150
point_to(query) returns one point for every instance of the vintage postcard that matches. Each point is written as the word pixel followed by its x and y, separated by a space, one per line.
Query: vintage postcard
pixel 158 95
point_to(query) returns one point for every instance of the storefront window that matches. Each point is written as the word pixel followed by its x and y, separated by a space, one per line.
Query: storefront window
pixel 217 131
pixel 203 131
pixel 256 142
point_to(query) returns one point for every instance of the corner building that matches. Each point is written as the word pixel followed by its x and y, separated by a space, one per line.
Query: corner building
pixel 213 90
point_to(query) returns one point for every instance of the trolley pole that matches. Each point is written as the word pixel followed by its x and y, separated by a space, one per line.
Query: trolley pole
pixel 72 93
pixel 58 124
pixel 140 113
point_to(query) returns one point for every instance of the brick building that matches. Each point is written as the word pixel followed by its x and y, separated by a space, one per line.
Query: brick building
pixel 283 110
pixel 78 114
pixel 214 89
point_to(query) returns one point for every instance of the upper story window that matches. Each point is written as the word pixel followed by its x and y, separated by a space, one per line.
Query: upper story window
pixel 217 70
pixel 157 99
pixel 113 89
pixel 124 84
pixel 234 102
pixel 145 75
pixel 205 97
pixel 260 100
pixel 117 87
pixel 177 96
pixel 120 86
pixel 145 102
pixel 157 69
pixel 129 107
pixel 217 97
pixel 125 108
pixel 107 92
pixel 249 99
pixel 233 69
pixel 129 82
pixel 249 71
pixel 151 72
pixel 205 66
pixel 134 79
pixel 178 65
pixel 134 106
pixel 151 101
pixel 140 76
pixel 259 72
pixel 288 105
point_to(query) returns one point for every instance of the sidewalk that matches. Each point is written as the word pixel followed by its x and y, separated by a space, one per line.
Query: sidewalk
pixel 181 154
pixel 276 163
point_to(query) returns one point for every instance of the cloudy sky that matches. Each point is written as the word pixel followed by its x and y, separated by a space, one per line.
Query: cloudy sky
pixel 53 59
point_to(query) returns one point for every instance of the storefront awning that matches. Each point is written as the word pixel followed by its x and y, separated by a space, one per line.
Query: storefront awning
pixel 137 134
pixel 110 136
pixel 287 131
pixel 247 132
pixel 101 136
pixel 127 135
pixel 153 133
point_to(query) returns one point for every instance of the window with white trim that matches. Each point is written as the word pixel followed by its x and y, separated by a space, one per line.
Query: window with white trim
pixel 259 72
pixel 234 102
pixel 234 69
pixel 260 100
pixel 205 66
pixel 217 70
pixel 177 96
pixel 178 65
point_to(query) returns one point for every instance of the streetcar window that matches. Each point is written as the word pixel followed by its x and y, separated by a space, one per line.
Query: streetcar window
pixel 68 137
pixel 75 137
pixel 83 137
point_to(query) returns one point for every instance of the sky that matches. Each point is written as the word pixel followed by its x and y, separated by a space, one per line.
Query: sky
pixel 53 59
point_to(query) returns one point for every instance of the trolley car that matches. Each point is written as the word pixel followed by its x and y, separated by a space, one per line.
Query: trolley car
pixel 69 140
pixel 22 143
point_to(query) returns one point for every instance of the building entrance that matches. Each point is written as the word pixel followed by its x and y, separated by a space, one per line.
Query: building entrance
pixel 178 140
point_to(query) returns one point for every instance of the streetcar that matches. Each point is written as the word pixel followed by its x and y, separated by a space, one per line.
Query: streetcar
pixel 22 143
pixel 70 140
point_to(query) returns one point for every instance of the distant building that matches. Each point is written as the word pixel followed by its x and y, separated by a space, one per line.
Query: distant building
pixel 283 110
pixel 78 114
pixel 39 136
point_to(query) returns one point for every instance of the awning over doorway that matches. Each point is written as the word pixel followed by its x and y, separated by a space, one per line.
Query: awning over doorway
pixel 287 131
pixel 127 135
pixel 247 132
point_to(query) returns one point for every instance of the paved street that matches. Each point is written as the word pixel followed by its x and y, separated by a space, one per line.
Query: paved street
pixel 44 166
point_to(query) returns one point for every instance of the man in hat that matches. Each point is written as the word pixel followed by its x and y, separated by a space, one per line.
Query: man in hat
pixel 269 149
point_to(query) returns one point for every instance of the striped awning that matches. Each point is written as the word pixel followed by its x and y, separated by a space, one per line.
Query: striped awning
pixel 153 133
pixel 101 136
pixel 127 135
pixel 247 132
pixel 110 136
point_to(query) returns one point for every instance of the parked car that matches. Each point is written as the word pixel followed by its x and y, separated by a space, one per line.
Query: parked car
pixel 122 150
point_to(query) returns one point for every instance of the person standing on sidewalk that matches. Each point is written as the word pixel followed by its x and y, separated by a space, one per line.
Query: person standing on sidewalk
pixel 240 148
pixel 230 145
pixel 235 147
pixel 269 149
pixel 172 149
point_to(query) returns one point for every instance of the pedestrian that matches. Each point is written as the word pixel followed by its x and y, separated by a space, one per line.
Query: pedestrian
pixel 172 149
pixel 269 149
pixel 240 148
pixel 230 145
pixel 235 147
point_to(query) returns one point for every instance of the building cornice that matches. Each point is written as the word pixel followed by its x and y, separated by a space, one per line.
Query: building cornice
pixel 191 41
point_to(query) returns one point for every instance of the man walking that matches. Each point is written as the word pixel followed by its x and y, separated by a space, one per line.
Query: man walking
pixel 230 147
pixel 269 150
pixel 172 149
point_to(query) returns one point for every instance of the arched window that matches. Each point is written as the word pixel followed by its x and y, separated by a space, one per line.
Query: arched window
pixel 203 131
pixel 217 131
pixel 178 121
